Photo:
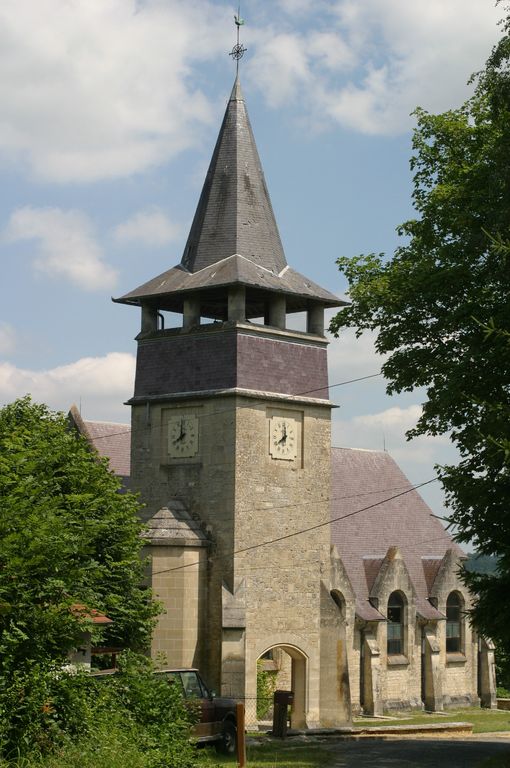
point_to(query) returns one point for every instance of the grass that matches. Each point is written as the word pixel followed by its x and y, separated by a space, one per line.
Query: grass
pixel 483 720
pixel 275 756
pixel 271 755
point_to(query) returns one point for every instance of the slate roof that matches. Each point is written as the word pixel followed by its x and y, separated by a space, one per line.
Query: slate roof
pixel 361 479
pixel 234 237
pixel 229 271
pixel 174 525
pixel 110 440
pixel 114 441
pixel 430 567
pixel 234 213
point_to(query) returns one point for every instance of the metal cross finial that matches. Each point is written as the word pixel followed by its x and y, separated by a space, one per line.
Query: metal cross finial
pixel 238 50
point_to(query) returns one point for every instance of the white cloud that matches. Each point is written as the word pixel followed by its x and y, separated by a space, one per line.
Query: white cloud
pixel 108 88
pixel 298 6
pixel 352 358
pixel 150 227
pixel 331 51
pixel 281 67
pixel 102 384
pixel 66 245
pixel 103 88
pixel 7 339
pixel 386 429
pixel 366 64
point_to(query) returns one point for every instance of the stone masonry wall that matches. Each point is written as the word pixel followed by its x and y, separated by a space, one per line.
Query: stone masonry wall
pixel 277 498
pixel 460 684
pixel 205 483
pixel 179 582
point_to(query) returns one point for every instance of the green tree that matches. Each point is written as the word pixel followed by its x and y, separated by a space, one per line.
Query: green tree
pixel 67 535
pixel 441 309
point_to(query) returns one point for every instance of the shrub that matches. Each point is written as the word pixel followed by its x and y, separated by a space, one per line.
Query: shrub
pixel 46 715
pixel 266 686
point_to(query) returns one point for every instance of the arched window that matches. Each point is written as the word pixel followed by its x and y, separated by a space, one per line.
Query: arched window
pixel 395 626
pixel 453 623
pixel 339 600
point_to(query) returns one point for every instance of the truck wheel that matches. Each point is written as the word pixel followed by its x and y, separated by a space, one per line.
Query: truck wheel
pixel 228 742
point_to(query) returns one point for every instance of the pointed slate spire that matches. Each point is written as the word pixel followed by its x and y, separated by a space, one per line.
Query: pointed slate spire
pixel 234 214
pixel 234 238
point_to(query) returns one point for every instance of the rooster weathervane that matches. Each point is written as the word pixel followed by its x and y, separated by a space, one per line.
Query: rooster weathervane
pixel 238 50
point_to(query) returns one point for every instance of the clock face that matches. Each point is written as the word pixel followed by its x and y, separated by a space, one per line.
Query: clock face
pixel 282 438
pixel 183 436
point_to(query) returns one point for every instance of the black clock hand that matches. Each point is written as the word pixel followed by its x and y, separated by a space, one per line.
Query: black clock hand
pixel 182 434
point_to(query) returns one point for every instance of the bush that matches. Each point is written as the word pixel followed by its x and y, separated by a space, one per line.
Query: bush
pixel 55 719
pixel 68 537
pixel 266 686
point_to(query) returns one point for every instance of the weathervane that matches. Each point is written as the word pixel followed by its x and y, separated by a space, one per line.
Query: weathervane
pixel 238 50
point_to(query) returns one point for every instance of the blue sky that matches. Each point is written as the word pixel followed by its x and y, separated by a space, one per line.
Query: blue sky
pixel 110 111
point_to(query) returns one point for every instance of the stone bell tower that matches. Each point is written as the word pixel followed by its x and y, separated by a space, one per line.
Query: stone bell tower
pixel 231 445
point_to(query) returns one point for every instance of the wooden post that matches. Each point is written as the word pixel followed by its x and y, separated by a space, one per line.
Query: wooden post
pixel 241 740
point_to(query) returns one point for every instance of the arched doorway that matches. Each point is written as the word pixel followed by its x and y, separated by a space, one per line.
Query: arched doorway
pixel 282 667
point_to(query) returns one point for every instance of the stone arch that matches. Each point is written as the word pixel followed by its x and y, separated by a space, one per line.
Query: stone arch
pixel 298 681
pixel 298 677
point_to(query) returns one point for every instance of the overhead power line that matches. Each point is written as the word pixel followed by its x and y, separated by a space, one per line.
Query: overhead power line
pixel 227 410
pixel 302 530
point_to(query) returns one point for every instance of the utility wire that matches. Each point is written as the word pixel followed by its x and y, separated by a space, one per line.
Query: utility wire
pixel 302 530
pixel 273 566
pixel 227 410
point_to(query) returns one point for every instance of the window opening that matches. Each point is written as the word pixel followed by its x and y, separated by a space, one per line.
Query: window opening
pixel 395 626
pixel 453 624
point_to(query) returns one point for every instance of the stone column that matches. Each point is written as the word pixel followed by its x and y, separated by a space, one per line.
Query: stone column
pixel 372 704
pixel 237 303
pixel 233 644
pixel 297 713
pixel 487 674
pixel 335 693
pixel 315 320
pixel 191 315
pixel 433 693
pixel 277 311
pixel 149 318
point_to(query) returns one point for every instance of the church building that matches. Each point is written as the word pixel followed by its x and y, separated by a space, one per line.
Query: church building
pixel 265 542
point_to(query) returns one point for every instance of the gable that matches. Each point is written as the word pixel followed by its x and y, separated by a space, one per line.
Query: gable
pixel 381 510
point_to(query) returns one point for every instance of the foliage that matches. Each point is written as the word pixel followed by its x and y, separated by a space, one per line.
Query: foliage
pixel 266 686
pixel 73 719
pixel 441 308
pixel 502 665
pixel 67 536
